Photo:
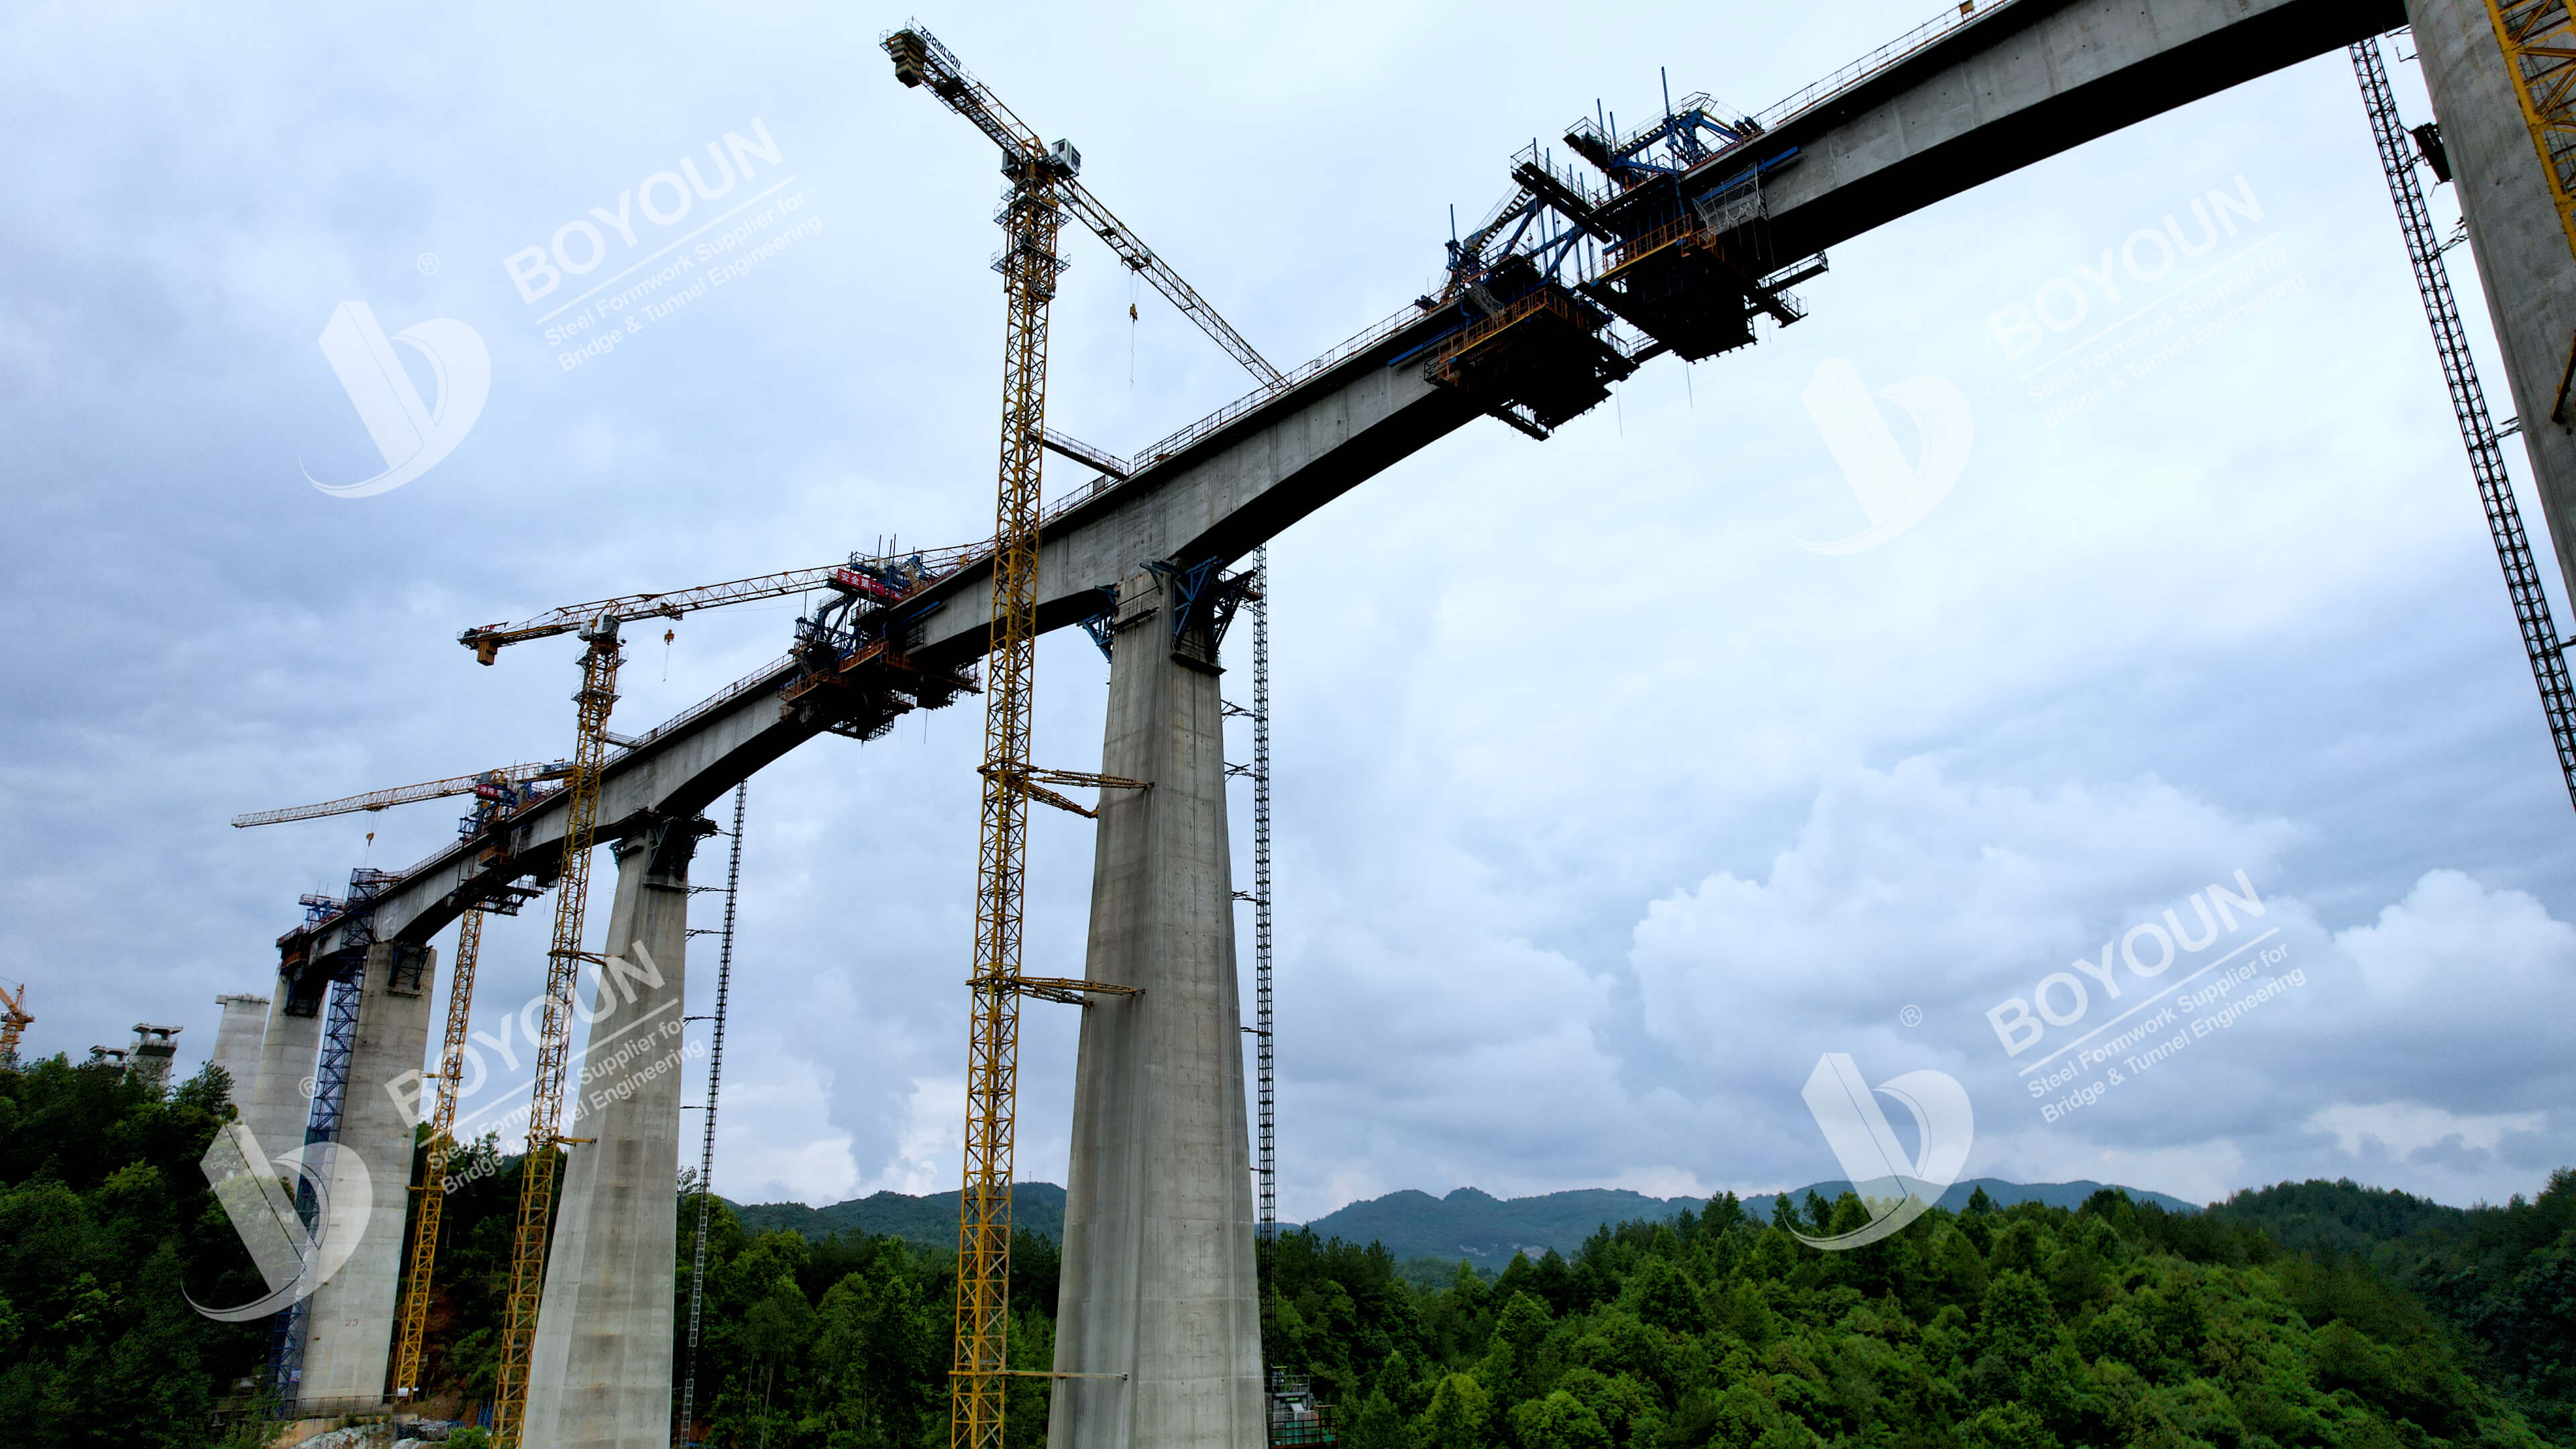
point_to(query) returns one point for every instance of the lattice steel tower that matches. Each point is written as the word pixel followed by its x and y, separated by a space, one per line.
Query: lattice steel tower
pixel 2469 404
pixel 1267 1145
pixel 707 1143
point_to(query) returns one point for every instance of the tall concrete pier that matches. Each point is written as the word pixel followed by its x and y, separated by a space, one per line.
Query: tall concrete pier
pixel 349 1331
pixel 1158 1263
pixel 2524 260
pixel 275 1103
pixel 600 1375
pixel 237 1040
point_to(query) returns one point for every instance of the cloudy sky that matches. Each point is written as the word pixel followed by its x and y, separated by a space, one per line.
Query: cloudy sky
pixel 1605 808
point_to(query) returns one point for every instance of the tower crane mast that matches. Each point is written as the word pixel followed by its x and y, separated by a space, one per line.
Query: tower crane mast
pixel 597 625
pixel 1043 189
pixel 2539 40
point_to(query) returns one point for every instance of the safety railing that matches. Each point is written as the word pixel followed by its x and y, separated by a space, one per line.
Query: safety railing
pixel 1823 91
pixel 1545 299
pixel 1957 18
pixel 1144 458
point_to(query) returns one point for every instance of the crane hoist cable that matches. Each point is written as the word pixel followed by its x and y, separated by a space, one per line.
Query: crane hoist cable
pixel 1043 192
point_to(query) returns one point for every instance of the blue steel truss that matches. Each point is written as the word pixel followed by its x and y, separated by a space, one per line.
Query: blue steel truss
pixel 347 969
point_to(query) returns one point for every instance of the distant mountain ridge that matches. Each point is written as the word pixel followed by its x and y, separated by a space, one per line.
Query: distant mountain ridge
pixel 1487 1230
pixel 1469 1223
pixel 929 1221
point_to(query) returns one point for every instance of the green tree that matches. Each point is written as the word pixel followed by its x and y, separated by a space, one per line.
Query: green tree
pixel 1460 1415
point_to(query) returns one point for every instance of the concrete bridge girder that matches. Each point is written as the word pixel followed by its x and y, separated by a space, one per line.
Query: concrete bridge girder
pixel 2033 79
pixel 2036 78
pixel 1219 498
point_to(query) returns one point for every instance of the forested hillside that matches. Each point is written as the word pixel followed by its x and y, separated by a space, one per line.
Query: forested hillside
pixel 929 1220
pixel 2117 1323
pixel 107 1228
pixel 2030 1326
pixel 2505 1277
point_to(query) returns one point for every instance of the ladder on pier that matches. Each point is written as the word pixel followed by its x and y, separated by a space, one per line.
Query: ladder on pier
pixel 2469 404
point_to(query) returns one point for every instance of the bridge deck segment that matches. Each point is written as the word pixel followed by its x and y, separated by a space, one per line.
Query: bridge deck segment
pixel 2027 80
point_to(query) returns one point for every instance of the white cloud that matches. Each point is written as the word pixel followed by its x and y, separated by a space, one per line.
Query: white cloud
pixel 929 1137
pixel 2456 947
pixel 2385 1129
pixel 775 1132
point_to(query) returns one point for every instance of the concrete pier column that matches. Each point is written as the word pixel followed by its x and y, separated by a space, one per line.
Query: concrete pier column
pixel 237 1040
pixel 348 1338
pixel 1158 1257
pixel 2524 261
pixel 279 1096
pixel 600 1375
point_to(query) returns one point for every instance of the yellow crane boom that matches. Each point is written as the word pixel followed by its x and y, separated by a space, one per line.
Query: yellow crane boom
pixel 14 1020
pixel 920 60
pixel 407 794
pixel 487 640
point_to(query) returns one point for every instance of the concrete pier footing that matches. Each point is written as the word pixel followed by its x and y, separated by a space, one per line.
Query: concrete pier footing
pixel 349 1333
pixel 1159 1278
pixel 600 1376
pixel 2525 263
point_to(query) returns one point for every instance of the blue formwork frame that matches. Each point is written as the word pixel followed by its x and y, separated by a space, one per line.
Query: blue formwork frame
pixel 330 1099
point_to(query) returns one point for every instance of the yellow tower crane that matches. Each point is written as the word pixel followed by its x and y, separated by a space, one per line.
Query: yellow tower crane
pixel 14 1020
pixel 2539 40
pixel 1043 188
pixel 498 793
pixel 597 623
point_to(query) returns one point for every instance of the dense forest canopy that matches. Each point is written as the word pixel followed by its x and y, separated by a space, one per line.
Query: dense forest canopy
pixel 2309 1314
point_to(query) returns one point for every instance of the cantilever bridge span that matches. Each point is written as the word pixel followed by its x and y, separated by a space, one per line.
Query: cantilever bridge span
pixel 1158 1339
pixel 2029 80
